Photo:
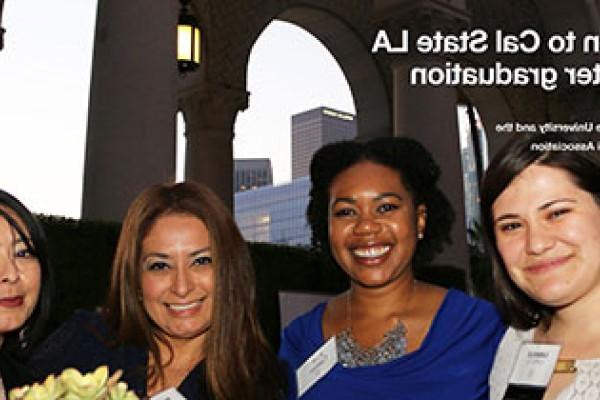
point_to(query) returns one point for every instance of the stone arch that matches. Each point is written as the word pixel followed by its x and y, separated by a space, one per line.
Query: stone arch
pixel 494 108
pixel 130 112
pixel 354 58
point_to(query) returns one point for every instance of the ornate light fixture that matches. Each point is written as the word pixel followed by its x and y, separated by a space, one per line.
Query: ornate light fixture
pixel 188 40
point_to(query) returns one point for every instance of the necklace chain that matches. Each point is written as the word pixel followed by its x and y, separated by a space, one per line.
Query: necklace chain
pixel 351 354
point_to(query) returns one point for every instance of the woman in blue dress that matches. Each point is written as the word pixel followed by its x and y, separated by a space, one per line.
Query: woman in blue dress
pixel 376 209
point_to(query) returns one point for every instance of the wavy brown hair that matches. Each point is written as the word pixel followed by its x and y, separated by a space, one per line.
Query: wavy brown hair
pixel 236 374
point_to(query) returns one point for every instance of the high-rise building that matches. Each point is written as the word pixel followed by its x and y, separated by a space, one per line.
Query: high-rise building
pixel 314 128
pixel 274 214
pixel 251 173
pixel 277 214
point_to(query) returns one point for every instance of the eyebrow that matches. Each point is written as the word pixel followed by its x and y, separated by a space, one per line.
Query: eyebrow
pixel 200 251
pixel 543 207
pixel 26 241
pixel 380 196
pixel 553 202
pixel 165 255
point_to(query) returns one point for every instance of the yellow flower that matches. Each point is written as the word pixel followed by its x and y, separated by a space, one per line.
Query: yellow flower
pixel 90 386
pixel 72 385
pixel 51 389
pixel 120 392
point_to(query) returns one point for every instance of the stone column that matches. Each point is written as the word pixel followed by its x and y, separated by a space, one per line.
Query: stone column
pixel 133 101
pixel 428 114
pixel 210 115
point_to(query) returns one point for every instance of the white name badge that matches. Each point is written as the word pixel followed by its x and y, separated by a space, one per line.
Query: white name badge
pixel 535 364
pixel 169 394
pixel 317 366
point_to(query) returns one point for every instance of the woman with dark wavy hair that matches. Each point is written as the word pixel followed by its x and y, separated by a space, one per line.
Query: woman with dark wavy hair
pixel 181 305
pixel 541 213
pixel 375 208
pixel 25 287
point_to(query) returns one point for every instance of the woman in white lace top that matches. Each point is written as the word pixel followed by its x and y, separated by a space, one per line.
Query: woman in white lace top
pixel 541 212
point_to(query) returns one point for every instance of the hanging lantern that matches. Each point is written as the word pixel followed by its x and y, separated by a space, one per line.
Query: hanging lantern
pixel 188 40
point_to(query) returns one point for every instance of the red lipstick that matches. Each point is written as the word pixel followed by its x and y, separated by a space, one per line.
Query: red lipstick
pixel 11 302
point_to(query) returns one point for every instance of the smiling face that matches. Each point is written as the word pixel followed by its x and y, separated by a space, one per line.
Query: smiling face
pixel 548 234
pixel 20 277
pixel 177 277
pixel 373 224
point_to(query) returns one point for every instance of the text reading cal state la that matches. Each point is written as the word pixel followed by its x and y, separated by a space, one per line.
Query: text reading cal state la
pixel 475 41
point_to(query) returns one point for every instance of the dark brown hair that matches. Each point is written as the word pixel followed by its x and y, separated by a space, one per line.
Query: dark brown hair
pixel 418 172
pixel 21 342
pixel 518 309
pixel 237 354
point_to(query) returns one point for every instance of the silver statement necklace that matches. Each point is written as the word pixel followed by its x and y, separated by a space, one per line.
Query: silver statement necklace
pixel 352 355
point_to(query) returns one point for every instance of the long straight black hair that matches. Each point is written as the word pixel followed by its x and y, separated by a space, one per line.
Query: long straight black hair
pixel 20 342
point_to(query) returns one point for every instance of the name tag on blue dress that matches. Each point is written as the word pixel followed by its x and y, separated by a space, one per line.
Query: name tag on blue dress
pixel 317 366
pixel 532 371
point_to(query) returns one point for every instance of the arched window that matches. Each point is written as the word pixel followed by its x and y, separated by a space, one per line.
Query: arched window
pixel 474 156
pixel 180 145
pixel 295 85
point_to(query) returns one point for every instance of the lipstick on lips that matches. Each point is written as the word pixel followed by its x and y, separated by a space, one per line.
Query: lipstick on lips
pixel 185 309
pixel 11 302
pixel 547 264
pixel 372 253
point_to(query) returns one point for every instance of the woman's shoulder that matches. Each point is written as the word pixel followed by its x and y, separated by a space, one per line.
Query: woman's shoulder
pixel 469 316
pixel 83 327
pixel 78 342
pixel 504 360
pixel 308 321
pixel 87 319
pixel 302 335
pixel 13 372
pixel 510 344
pixel 457 299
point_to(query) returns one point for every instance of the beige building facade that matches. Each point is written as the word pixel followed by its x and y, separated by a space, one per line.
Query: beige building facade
pixel 136 90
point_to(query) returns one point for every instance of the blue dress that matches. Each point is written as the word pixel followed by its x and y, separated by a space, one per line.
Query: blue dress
pixel 452 363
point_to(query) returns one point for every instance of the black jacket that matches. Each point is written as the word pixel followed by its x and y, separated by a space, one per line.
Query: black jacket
pixel 14 374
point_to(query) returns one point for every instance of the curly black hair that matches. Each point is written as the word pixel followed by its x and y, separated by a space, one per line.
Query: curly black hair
pixel 418 172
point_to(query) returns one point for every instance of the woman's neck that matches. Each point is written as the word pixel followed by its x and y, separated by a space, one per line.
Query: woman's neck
pixel 577 327
pixel 392 298
pixel 184 351
pixel 184 354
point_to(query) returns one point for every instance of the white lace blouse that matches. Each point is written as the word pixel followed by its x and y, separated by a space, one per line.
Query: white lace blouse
pixel 586 385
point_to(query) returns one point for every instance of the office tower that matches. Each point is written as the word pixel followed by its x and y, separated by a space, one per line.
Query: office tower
pixel 274 214
pixel 314 128
pixel 251 173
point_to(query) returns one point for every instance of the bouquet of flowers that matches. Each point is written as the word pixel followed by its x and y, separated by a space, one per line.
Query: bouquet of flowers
pixel 71 385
